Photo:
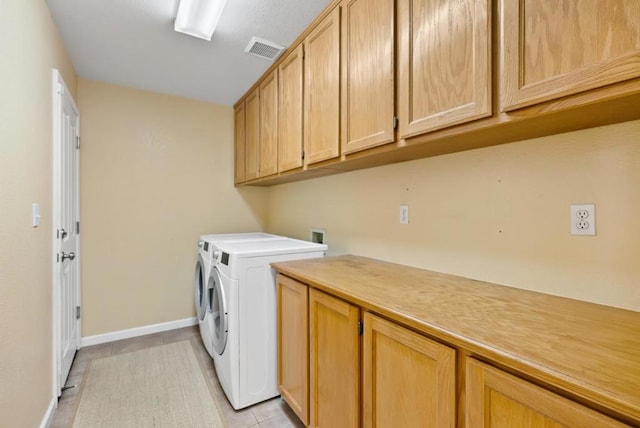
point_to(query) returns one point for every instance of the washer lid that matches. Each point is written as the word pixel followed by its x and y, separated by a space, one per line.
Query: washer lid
pixel 270 247
pixel 217 311
pixel 233 237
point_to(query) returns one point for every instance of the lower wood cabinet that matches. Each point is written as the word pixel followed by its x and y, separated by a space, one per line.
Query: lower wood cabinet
pixel 364 343
pixel 408 380
pixel 497 399
pixel 293 345
pixel 342 366
pixel 334 362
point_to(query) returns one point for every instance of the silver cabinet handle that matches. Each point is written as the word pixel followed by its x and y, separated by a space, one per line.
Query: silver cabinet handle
pixel 69 256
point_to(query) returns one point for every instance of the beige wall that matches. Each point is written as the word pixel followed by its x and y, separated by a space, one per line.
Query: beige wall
pixel 156 172
pixel 29 48
pixel 499 214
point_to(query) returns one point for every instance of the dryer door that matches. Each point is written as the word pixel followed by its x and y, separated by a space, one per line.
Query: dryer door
pixel 217 306
pixel 199 283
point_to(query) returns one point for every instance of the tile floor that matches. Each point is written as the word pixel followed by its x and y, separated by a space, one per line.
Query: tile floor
pixel 273 413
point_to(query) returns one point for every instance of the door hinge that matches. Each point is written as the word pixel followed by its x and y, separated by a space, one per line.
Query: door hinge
pixel 395 122
pixel 302 155
pixel 57 257
pixel 57 233
pixel 360 328
pixel 77 312
pixel 77 142
pixel 77 227
pixel 60 89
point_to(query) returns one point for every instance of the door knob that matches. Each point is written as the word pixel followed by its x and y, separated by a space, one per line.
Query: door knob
pixel 69 256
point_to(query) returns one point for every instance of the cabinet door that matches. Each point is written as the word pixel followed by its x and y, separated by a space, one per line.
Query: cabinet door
pixel 252 135
pixel 499 400
pixel 407 379
pixel 322 90
pixel 368 38
pixel 290 111
pixel 293 345
pixel 239 152
pixel 268 160
pixel 334 380
pixel 444 63
pixel 554 48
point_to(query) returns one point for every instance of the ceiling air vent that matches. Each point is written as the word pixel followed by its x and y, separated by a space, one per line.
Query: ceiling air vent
pixel 264 48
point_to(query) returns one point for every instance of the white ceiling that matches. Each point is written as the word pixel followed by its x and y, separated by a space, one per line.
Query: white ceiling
pixel 132 43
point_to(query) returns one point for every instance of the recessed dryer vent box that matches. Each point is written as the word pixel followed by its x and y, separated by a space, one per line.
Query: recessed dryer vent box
pixel 319 236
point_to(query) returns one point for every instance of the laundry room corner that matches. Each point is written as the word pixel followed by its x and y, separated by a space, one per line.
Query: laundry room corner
pixel 256 200
pixel 156 173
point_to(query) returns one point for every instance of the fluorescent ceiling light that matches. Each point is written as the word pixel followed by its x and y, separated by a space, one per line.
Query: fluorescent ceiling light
pixel 198 18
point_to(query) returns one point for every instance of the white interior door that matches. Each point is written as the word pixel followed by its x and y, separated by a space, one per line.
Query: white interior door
pixel 67 230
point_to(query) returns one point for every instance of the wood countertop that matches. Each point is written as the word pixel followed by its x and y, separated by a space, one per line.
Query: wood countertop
pixel 589 351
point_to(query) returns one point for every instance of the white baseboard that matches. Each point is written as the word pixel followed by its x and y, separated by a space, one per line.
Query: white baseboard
pixel 138 331
pixel 48 416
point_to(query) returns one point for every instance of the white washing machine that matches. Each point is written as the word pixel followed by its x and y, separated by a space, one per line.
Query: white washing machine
pixel 244 314
pixel 203 268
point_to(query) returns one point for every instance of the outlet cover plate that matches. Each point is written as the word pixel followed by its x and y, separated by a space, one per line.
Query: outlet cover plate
pixel 583 219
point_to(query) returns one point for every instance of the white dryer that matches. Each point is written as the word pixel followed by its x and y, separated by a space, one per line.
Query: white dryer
pixel 244 311
pixel 202 271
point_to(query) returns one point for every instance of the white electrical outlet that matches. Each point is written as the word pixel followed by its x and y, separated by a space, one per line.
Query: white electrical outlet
pixel 404 214
pixel 583 219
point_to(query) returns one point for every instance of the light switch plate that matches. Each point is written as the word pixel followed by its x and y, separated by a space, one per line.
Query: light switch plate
pixel 404 214
pixel 35 214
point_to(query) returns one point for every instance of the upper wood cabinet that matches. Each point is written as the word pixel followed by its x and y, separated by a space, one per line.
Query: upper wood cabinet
pixel 368 39
pixel 322 90
pixel 290 118
pixel 370 77
pixel 407 379
pixel 252 135
pixel 293 345
pixel 444 63
pixel 496 399
pixel 268 160
pixel 239 134
pixel 555 48
pixel 334 350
